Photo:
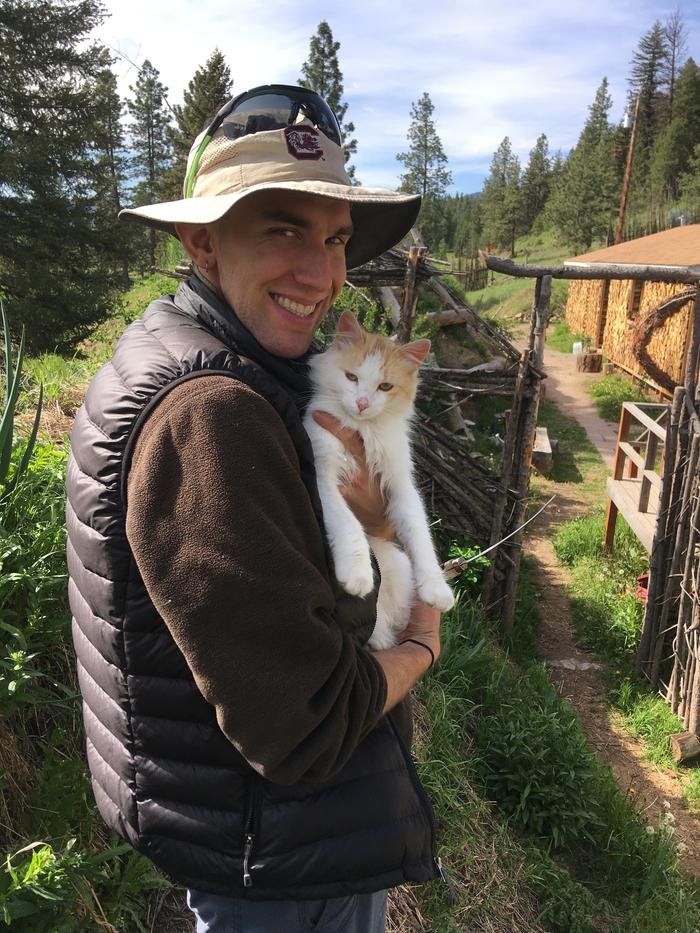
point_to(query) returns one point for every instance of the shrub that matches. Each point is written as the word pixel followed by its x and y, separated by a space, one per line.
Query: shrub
pixel 535 761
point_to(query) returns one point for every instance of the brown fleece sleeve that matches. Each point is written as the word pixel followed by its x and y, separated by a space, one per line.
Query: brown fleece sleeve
pixel 223 533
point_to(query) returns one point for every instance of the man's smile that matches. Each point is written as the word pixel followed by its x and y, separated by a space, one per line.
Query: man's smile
pixel 294 306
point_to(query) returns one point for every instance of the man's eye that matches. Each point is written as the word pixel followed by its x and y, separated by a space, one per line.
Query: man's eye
pixel 386 386
pixel 352 377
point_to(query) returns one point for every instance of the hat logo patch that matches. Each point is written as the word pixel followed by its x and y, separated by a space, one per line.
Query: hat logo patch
pixel 302 142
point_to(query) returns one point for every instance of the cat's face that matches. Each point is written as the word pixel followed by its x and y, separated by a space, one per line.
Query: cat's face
pixel 370 375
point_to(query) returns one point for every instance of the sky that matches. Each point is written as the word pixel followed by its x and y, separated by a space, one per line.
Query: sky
pixel 509 69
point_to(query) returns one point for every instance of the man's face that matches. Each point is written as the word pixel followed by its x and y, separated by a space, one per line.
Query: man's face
pixel 280 262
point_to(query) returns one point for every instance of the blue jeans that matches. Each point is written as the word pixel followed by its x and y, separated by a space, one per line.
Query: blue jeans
pixel 361 913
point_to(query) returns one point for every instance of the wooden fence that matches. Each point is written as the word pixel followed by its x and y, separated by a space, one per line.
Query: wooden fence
pixel 669 651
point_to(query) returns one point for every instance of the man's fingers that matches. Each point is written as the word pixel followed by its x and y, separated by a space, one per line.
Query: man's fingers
pixel 350 439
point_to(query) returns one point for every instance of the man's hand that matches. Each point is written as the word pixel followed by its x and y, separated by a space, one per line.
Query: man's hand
pixel 406 663
pixel 363 495
pixel 423 625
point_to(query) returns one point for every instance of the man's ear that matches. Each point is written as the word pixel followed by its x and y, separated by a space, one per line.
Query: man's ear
pixel 199 244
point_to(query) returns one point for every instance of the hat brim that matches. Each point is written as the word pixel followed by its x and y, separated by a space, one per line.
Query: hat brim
pixel 381 218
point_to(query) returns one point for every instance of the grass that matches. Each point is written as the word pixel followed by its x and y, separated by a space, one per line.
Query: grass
pixel 508 299
pixel 577 460
pixel 73 871
pixel 611 391
pixel 560 338
pixel 608 619
pixel 607 615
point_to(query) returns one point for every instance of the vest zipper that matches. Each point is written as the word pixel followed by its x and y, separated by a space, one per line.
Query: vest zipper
pixel 247 850
pixel 428 807
pixel 249 833
pixel 422 796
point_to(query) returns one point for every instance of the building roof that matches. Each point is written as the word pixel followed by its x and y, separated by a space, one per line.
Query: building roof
pixel 679 246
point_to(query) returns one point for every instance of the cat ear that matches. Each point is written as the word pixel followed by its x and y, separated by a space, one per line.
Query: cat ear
pixel 348 328
pixel 416 351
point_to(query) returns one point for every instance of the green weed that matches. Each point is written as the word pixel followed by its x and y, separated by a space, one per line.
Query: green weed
pixel 607 614
pixel 560 338
pixel 647 716
pixel 51 890
pixel 467 583
pixel 611 391
pixel 535 761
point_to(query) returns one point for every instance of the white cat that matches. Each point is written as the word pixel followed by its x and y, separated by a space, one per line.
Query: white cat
pixel 369 383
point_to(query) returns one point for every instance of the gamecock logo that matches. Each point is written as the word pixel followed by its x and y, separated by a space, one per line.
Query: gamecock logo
pixel 302 142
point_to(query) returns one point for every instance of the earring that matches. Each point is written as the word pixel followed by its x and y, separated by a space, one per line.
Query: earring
pixel 206 266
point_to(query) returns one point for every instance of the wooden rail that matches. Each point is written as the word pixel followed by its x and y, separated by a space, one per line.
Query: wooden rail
pixel 635 485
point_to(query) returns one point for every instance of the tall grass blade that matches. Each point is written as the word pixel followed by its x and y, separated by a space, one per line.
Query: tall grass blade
pixel 8 353
pixel 7 423
pixel 29 449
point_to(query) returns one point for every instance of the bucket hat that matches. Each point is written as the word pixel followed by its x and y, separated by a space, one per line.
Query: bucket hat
pixel 285 138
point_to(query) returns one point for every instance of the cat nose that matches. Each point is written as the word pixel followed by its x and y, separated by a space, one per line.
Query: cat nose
pixel 362 403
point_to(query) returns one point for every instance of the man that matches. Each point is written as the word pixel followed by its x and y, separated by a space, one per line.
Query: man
pixel 239 732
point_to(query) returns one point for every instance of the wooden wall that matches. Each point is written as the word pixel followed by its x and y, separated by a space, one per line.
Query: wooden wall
pixel 667 347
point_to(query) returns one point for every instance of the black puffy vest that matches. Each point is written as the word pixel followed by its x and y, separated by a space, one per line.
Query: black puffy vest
pixel 164 775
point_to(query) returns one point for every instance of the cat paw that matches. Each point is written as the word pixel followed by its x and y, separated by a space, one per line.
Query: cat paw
pixel 436 593
pixel 359 582
pixel 382 637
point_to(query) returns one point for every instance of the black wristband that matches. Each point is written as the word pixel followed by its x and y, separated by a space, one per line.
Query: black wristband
pixel 423 645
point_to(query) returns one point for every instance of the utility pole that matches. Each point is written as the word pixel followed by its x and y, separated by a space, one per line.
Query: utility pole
pixel 628 175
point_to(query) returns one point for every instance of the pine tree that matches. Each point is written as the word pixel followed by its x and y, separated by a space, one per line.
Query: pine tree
pixel 149 141
pixel 536 182
pixel 207 92
pixel 501 199
pixel 675 34
pixel 649 63
pixel 55 270
pixel 426 173
pixel 582 199
pixel 110 168
pixel 321 73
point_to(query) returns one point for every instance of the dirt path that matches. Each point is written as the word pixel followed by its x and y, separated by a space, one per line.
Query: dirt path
pixel 574 671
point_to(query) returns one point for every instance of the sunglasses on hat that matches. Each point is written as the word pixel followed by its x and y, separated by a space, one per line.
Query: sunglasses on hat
pixel 268 107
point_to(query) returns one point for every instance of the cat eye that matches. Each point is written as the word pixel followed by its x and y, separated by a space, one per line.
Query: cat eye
pixel 352 377
pixel 385 386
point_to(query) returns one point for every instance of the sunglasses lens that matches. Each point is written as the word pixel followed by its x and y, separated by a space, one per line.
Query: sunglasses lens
pixel 275 110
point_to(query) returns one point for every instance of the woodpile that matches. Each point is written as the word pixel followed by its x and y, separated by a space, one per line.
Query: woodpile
pixel 584 308
pixel 649 341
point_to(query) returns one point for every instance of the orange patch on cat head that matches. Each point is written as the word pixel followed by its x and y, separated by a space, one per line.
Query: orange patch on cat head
pixel 399 362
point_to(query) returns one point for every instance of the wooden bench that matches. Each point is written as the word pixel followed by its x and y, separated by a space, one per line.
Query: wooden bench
pixel 542 453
